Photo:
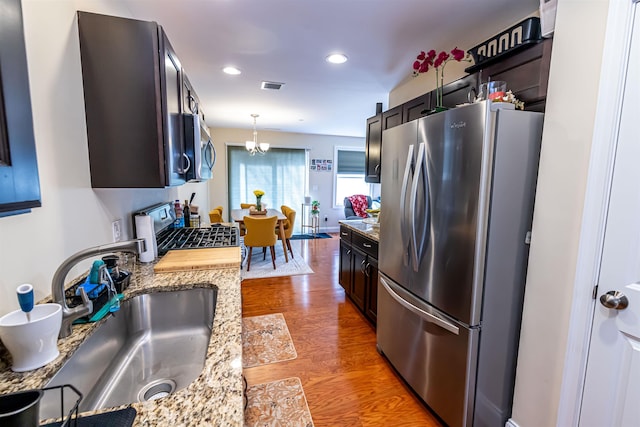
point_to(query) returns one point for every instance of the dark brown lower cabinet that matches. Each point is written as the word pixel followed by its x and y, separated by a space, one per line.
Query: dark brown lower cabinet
pixel 359 284
pixel 372 295
pixel 359 271
pixel 345 266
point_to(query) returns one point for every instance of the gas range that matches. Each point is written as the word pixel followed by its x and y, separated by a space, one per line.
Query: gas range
pixel 169 238
pixel 217 236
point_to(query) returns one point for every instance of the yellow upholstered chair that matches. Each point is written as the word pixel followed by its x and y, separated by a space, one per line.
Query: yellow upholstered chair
pixel 215 216
pixel 260 234
pixel 243 230
pixel 288 226
pixel 220 208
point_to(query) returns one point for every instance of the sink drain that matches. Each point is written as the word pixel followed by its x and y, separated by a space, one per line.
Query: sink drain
pixel 156 390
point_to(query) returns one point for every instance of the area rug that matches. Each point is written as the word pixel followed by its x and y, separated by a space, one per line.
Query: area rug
pixel 264 268
pixel 310 236
pixel 266 339
pixel 278 403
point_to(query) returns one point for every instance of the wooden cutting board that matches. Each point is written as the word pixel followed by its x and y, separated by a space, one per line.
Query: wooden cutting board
pixel 199 259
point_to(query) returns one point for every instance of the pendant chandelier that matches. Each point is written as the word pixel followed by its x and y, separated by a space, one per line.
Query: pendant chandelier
pixel 254 147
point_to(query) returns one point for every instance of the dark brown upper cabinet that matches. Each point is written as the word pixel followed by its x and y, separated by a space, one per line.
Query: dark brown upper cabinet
pixel 133 94
pixel 19 182
pixel 526 74
pixel 392 117
pixel 459 92
pixel 374 146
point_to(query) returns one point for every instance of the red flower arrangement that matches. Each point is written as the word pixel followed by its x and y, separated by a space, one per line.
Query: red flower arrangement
pixel 427 60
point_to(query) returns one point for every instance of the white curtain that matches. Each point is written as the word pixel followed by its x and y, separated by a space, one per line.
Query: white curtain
pixel 281 173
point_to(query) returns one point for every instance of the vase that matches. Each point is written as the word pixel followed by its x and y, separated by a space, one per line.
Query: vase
pixel 258 203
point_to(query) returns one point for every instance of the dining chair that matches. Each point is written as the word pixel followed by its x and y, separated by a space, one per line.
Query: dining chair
pixel 288 226
pixel 215 216
pixel 247 205
pixel 220 208
pixel 260 234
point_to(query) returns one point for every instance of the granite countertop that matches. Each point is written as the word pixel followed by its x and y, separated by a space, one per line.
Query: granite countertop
pixel 363 228
pixel 215 398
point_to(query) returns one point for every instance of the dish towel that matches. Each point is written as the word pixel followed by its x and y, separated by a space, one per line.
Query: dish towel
pixel 359 204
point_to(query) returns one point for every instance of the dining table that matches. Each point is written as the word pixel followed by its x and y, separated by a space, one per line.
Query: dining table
pixel 238 215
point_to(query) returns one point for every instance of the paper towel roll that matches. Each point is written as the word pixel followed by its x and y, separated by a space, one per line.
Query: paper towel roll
pixel 144 230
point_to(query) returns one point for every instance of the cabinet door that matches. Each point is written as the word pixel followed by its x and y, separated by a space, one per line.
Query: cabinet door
pixel 174 148
pixel 190 102
pixel 345 267
pixel 19 183
pixel 359 285
pixel 372 289
pixel 460 91
pixel 416 108
pixel 374 144
pixel 392 117
pixel 526 74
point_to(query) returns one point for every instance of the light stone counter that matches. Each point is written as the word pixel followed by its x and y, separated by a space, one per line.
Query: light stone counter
pixel 360 227
pixel 214 398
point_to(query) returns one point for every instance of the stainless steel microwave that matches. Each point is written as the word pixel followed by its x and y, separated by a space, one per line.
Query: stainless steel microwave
pixel 199 149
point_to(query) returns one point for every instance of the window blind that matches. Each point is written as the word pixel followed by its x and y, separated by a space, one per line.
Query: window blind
pixel 280 173
pixel 351 162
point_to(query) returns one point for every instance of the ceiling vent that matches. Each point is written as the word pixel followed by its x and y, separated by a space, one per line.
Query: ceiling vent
pixel 271 85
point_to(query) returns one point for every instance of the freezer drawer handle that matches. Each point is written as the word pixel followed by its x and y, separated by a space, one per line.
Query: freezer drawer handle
pixel 428 317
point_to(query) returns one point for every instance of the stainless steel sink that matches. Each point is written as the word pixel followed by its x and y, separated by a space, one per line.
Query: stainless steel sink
pixel 155 345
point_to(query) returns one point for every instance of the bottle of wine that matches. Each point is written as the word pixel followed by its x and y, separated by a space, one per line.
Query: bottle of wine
pixel 186 212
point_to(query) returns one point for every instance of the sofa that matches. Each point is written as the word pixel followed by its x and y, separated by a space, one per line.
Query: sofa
pixel 348 209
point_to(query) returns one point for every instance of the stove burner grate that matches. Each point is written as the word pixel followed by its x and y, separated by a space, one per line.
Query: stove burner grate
pixel 217 236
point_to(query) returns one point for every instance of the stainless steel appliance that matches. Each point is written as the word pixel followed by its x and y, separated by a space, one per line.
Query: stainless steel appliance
pixel 199 149
pixel 169 238
pixel 457 190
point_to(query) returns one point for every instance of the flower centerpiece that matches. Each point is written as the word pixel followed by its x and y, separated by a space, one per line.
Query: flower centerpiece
pixel 258 194
pixel 425 61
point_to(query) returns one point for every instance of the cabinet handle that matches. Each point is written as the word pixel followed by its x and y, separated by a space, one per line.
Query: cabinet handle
pixel 363 267
pixel 188 162
pixel 348 251
pixel 377 169
pixel 366 245
pixel 343 233
pixel 367 270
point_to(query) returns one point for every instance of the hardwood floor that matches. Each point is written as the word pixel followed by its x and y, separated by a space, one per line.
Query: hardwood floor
pixel 346 381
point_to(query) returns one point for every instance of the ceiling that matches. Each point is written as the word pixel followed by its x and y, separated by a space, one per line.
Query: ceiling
pixel 287 41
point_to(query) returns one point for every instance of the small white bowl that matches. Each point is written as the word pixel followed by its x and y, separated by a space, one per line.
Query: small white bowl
pixel 32 344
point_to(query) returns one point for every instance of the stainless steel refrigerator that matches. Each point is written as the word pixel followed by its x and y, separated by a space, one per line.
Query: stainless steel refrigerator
pixel 457 195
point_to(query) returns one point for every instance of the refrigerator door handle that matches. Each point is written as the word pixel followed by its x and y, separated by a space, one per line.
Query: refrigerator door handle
pixel 403 198
pixel 427 317
pixel 420 170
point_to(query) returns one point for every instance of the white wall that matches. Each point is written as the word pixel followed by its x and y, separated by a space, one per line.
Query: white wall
pixel 73 216
pixel 320 183
pixel 566 143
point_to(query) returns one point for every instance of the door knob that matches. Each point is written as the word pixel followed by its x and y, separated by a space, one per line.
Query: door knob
pixel 615 300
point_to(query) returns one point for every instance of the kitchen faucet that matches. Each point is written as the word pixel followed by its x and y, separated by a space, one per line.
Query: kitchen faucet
pixel 136 246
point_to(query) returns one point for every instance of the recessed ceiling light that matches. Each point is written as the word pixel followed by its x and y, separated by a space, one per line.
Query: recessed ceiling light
pixel 336 58
pixel 231 70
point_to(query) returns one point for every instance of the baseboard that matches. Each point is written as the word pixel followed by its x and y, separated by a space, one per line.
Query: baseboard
pixel 511 423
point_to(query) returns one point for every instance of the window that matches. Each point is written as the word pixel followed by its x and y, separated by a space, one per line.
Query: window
pixel 349 175
pixel 281 173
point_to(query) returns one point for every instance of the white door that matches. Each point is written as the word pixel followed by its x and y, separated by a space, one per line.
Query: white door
pixel 612 385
